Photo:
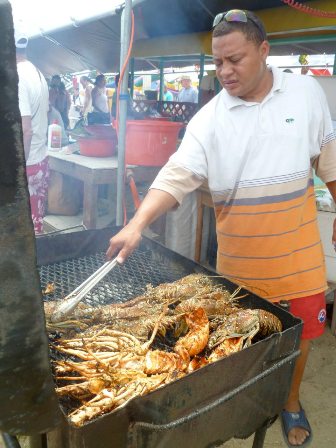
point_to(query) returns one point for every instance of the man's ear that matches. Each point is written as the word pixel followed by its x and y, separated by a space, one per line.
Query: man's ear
pixel 264 50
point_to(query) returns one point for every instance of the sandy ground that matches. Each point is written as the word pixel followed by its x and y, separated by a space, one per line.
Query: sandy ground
pixel 318 399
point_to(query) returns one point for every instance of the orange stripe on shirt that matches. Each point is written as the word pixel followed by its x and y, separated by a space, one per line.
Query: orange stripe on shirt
pixel 275 254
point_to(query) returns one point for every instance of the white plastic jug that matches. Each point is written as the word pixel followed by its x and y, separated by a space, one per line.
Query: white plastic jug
pixel 54 136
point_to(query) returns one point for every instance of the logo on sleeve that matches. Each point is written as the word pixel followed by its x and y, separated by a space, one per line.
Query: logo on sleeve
pixel 322 316
pixel 290 120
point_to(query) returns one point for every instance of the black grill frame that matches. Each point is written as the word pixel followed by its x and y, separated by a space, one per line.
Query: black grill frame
pixel 232 397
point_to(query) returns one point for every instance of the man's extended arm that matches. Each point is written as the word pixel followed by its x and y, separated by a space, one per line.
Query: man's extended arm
pixel 27 134
pixel 168 189
pixel 155 204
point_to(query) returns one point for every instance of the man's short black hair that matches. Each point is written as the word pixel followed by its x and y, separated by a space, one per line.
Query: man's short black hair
pixel 253 29
pixel 99 78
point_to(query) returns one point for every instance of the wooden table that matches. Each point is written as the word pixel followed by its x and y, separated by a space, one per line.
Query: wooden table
pixel 94 171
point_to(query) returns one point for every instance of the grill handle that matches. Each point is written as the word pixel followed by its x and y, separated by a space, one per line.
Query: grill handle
pixel 203 410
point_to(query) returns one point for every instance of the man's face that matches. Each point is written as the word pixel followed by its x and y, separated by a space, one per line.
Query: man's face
pixel 186 83
pixel 240 63
pixel 102 82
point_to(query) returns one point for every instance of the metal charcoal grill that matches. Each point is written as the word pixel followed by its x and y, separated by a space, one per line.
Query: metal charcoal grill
pixel 233 397
pixel 190 412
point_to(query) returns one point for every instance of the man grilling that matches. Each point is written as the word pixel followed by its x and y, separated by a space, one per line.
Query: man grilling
pixel 255 144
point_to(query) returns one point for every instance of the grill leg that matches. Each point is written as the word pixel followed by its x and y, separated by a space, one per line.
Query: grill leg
pixel 260 434
pixel 10 441
pixel 259 437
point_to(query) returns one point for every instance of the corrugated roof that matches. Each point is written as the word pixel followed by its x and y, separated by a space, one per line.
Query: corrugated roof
pixel 96 44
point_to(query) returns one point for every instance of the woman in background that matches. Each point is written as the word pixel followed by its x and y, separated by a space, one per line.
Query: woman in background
pixel 101 113
pixel 59 98
pixel 87 86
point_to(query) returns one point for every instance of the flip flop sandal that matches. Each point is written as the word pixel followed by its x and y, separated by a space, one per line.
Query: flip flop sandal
pixel 290 420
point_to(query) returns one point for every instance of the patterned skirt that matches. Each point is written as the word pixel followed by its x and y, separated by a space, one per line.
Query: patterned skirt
pixel 38 176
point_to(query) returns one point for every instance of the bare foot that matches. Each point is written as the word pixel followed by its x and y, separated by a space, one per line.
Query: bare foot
pixel 297 436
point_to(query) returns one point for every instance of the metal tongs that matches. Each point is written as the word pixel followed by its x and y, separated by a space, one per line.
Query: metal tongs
pixel 72 300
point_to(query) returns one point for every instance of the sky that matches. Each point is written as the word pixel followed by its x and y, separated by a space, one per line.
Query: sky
pixel 36 15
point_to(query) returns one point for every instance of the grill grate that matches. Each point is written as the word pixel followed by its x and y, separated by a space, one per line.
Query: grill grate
pixel 143 267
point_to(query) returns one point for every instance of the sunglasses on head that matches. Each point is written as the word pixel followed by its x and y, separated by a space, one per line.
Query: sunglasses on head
pixel 236 15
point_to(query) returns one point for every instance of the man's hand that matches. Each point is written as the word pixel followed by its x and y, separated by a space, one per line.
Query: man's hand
pixel 124 243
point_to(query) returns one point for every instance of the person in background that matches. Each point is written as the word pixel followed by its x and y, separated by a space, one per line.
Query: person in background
pixel 131 112
pixel 76 107
pixel 167 95
pixel 256 144
pixel 34 106
pixel 100 113
pixel 75 95
pixel 207 89
pixel 59 98
pixel 65 113
pixel 188 93
pixel 87 104
pixel 109 94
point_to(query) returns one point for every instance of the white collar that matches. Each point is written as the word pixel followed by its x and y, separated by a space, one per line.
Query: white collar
pixel 278 86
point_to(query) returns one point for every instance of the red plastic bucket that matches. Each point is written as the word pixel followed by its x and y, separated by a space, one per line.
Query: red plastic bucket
pixel 158 118
pixel 101 131
pixel 150 142
pixel 96 147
